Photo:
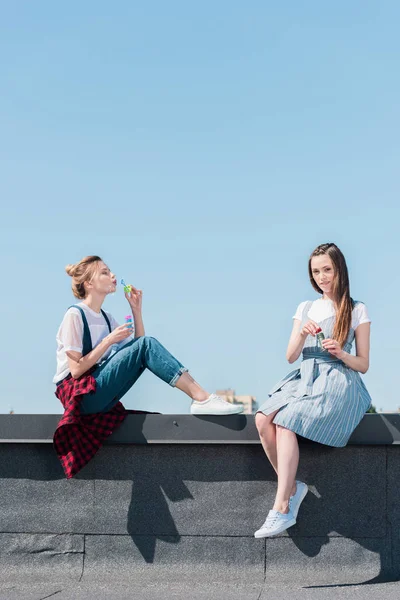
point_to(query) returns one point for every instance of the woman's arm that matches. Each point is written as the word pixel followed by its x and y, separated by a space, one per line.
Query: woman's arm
pixel 296 342
pixel 138 323
pixel 360 362
pixel 135 302
pixel 78 364
pixel 298 338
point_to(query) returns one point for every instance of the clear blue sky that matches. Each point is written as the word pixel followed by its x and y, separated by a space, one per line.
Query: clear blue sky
pixel 203 150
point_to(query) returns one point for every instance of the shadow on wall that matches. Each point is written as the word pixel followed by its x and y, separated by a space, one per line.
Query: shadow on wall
pixel 226 490
pixel 149 509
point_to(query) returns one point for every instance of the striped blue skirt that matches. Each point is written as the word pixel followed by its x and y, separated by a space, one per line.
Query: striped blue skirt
pixel 323 400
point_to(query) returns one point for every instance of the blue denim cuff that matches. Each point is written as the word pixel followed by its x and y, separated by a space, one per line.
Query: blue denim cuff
pixel 177 375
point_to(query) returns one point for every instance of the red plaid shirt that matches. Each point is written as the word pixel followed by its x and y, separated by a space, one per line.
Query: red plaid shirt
pixel 78 437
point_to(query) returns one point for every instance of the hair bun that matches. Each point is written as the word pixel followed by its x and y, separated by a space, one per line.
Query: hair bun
pixel 71 270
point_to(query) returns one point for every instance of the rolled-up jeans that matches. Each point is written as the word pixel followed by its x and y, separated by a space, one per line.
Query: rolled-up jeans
pixel 116 375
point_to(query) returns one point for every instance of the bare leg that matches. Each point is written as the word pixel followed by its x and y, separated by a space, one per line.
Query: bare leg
pixel 288 460
pixel 187 384
pixel 267 432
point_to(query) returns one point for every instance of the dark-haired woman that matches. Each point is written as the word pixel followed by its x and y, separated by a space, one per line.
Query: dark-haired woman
pixel 325 399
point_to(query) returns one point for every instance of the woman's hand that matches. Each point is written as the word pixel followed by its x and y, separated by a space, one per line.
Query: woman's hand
pixel 135 299
pixel 310 328
pixel 333 347
pixel 119 334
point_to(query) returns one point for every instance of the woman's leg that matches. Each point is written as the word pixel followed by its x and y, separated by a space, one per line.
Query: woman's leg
pixel 288 460
pixel 118 374
pixel 187 384
pixel 267 432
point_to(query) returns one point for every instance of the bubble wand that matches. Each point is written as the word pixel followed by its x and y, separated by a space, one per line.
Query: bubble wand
pixel 128 318
pixel 127 288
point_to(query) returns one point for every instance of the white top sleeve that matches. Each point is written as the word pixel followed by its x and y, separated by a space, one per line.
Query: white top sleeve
pixel 299 311
pixel 71 331
pixel 360 315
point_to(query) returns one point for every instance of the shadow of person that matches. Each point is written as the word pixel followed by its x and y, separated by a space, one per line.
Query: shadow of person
pixel 162 504
pixel 232 422
pixel 156 503
pixel 149 516
pixel 342 503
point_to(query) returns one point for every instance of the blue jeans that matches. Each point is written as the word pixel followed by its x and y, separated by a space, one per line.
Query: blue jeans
pixel 116 375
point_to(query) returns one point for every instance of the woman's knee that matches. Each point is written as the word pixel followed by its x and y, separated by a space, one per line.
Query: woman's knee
pixel 263 422
pixel 147 340
pixel 281 430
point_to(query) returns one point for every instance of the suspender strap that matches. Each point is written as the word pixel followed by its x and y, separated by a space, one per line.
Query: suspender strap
pixel 107 320
pixel 87 339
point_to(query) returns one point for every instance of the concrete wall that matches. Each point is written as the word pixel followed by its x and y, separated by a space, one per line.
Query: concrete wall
pixel 190 509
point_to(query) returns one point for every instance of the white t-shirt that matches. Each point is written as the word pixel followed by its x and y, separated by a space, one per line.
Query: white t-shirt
pixel 322 309
pixel 70 336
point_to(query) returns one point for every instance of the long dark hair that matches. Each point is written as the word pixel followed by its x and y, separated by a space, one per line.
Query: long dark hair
pixel 341 289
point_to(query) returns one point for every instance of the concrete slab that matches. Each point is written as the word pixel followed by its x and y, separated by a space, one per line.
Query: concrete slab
pixel 40 557
pixel 216 490
pixel 162 590
pixel 175 559
pixel 336 560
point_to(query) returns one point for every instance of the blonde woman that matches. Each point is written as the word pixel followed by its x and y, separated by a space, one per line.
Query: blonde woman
pixel 98 361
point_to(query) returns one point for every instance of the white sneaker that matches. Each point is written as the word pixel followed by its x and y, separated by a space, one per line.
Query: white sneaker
pixel 297 499
pixel 275 523
pixel 215 405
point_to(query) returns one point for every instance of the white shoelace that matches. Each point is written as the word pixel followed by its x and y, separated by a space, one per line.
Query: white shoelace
pixel 217 399
pixel 272 519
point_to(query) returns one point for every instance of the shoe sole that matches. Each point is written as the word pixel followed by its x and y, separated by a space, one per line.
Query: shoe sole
pixel 218 413
pixel 303 495
pixel 283 527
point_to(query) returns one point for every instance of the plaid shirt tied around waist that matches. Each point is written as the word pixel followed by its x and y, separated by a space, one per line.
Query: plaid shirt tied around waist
pixel 78 437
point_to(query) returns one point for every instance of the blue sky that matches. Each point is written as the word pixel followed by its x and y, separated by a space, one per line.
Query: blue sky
pixel 203 150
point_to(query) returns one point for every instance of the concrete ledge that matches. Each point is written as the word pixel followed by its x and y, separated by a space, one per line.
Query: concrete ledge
pixel 185 508
pixel 374 429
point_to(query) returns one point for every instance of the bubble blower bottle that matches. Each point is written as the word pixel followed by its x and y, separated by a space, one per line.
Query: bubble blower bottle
pixel 128 321
pixel 320 338
pixel 127 288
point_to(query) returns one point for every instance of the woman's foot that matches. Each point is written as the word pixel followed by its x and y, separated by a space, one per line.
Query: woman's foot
pixel 275 523
pixel 297 498
pixel 215 405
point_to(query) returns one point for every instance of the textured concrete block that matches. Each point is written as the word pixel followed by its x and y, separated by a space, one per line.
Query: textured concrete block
pixel 56 506
pixel 159 589
pixel 342 500
pixel 34 461
pixel 334 560
pixel 38 591
pixel 393 505
pixel 36 497
pixel 226 490
pixel 194 559
pixel 190 490
pixel 345 591
pixel 38 557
